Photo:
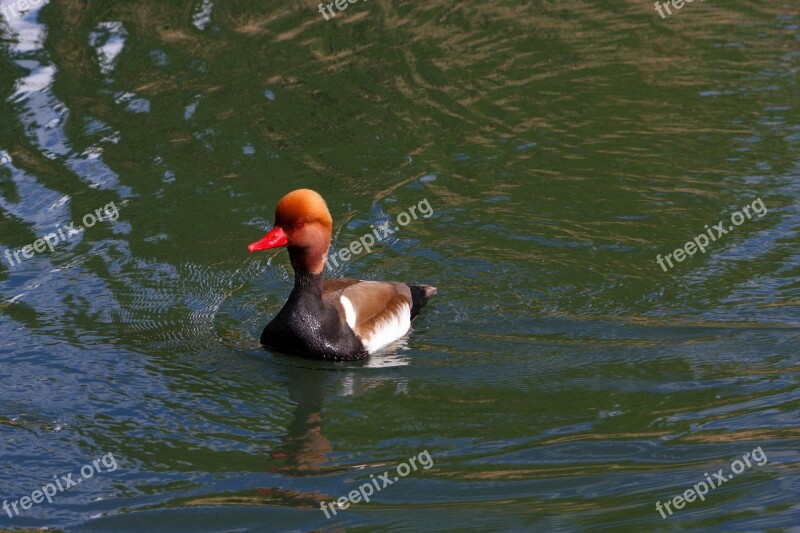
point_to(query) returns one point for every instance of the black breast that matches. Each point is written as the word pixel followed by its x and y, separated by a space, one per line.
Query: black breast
pixel 310 327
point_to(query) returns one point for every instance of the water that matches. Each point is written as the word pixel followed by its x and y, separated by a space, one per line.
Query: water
pixel 561 379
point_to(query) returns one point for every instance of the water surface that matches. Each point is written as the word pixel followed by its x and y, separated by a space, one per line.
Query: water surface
pixel 561 379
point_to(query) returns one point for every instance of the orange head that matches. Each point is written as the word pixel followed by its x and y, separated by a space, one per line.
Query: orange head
pixel 303 224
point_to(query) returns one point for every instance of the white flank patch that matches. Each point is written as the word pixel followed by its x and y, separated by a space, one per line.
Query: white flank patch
pixel 389 329
pixel 349 311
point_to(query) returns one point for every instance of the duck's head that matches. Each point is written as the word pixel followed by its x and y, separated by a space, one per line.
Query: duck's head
pixel 303 224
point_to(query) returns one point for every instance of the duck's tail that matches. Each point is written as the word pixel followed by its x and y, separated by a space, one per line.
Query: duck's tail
pixel 420 294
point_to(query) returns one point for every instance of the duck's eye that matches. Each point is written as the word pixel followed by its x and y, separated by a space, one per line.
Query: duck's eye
pixel 298 223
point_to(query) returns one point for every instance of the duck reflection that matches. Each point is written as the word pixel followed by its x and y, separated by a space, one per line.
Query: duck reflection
pixel 305 449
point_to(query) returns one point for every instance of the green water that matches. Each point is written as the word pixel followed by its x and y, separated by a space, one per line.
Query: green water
pixel 561 380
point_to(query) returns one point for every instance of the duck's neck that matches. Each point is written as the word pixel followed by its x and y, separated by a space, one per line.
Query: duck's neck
pixel 307 283
pixel 310 258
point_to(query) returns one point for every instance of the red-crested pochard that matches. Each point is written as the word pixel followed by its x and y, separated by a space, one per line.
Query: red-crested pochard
pixel 336 319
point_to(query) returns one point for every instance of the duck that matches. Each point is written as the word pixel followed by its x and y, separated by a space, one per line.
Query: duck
pixel 331 319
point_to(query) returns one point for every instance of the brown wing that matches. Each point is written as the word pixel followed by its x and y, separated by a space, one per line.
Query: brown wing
pixel 332 288
pixel 382 309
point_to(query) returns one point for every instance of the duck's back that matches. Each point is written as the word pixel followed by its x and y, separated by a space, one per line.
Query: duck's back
pixel 378 312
